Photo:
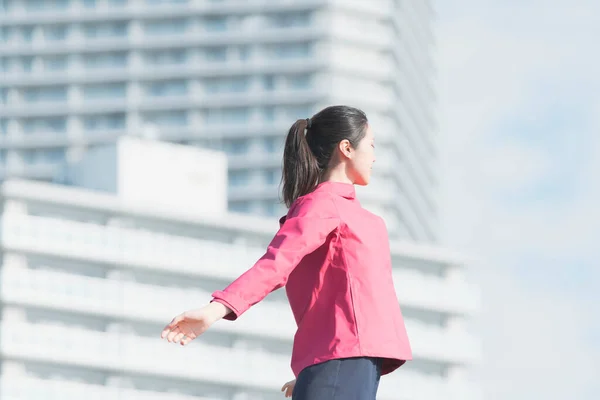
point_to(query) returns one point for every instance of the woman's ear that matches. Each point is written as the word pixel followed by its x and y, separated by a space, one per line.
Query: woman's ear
pixel 345 148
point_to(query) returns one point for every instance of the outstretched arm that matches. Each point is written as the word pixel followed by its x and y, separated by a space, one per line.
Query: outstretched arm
pixel 304 230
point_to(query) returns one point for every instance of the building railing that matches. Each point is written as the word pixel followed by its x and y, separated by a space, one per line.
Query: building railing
pixel 126 300
pixel 142 249
pixel 142 10
pixel 30 388
pixel 148 356
pixel 186 70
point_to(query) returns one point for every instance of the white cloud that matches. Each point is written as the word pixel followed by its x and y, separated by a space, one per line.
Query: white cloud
pixel 507 68
pixel 513 166
pixel 537 348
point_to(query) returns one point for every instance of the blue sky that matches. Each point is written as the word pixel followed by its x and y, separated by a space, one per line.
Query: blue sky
pixel 519 111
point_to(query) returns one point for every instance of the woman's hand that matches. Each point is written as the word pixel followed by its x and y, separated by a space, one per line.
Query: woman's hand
pixel 189 325
pixel 288 388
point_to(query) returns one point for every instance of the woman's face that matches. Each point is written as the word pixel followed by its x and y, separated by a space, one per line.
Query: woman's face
pixel 360 163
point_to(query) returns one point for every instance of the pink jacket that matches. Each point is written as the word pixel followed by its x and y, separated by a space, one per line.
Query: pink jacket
pixel 333 257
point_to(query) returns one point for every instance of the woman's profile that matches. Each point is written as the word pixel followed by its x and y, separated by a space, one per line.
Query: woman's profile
pixel 333 258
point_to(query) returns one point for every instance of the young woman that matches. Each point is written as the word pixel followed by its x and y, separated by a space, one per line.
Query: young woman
pixel 333 257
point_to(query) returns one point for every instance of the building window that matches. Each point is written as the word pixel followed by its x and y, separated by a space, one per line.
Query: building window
pixel 238 178
pixel 92 3
pixel 268 82
pixel 46 5
pixel 43 156
pixel 271 176
pixel 55 63
pixel 215 24
pixel 212 144
pixel 159 2
pixel 4 34
pixel 274 209
pixel 274 144
pixel 301 81
pixel 104 122
pixel 173 118
pixel 238 115
pixel 101 30
pixel 27 34
pixel 298 112
pixel 216 54
pixel 45 125
pixel 166 57
pixel 245 52
pixel 105 60
pixel 227 85
pixel 236 146
pixel 288 20
pixel 26 63
pixel 45 94
pixel 3 126
pixel 268 113
pixel 55 32
pixel 103 91
pixel 239 207
pixel 289 50
pixel 166 88
pixel 166 27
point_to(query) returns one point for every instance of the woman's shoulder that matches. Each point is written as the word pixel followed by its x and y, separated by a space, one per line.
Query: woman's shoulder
pixel 314 204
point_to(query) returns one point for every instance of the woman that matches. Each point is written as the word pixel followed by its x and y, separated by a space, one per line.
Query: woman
pixel 333 258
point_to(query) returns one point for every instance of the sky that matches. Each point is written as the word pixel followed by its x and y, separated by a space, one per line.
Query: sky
pixel 519 134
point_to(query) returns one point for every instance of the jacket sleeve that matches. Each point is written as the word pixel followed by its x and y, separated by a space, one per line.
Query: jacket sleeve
pixel 305 229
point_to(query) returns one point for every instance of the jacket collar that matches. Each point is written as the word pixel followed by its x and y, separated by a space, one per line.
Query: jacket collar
pixel 345 190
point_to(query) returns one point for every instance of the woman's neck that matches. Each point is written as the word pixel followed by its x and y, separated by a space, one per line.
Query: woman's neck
pixel 337 174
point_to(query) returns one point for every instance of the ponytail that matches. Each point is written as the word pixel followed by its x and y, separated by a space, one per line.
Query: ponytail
pixel 301 169
pixel 311 144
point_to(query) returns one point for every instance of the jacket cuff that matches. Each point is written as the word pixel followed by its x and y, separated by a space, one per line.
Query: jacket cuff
pixel 232 301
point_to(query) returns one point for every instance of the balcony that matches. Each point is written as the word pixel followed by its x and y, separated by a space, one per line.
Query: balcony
pixel 29 388
pixel 147 356
pixel 157 304
pixel 142 72
pixel 415 289
pixel 141 355
pixel 131 301
pixel 141 11
pixel 182 102
pixel 146 250
pixel 43 171
pixel 232 37
pixel 218 131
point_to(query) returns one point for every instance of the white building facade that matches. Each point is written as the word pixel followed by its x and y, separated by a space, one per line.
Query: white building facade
pixel 228 75
pixel 90 275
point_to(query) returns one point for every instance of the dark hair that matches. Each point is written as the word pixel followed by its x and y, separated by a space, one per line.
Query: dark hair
pixel 310 144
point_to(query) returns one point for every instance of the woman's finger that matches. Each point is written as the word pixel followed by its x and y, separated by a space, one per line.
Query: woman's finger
pixel 178 337
pixel 187 339
pixel 171 325
pixel 174 332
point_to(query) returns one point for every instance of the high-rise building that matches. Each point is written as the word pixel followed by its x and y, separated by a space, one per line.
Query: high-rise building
pixel 92 272
pixel 229 75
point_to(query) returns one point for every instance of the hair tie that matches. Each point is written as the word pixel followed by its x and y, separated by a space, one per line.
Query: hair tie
pixel 308 123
